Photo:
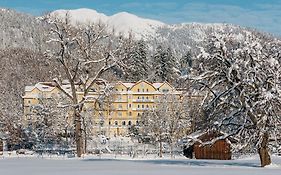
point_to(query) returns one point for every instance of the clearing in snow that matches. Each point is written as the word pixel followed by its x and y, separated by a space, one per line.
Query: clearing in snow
pixel 110 166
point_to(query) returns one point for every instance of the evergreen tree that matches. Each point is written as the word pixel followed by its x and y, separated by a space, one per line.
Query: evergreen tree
pixel 185 63
pixel 138 69
pixel 164 64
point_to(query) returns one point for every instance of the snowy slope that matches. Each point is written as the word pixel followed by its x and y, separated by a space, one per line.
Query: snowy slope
pixel 122 23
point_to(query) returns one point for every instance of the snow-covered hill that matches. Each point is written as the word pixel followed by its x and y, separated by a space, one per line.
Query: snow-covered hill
pixel 122 23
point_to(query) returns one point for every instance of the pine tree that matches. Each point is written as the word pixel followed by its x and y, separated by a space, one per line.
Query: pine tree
pixel 138 64
pixel 185 63
pixel 164 64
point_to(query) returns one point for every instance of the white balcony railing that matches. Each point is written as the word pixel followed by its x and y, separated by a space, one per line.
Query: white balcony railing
pixel 143 100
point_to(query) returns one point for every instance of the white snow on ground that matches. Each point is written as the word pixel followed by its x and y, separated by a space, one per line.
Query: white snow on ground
pixel 90 165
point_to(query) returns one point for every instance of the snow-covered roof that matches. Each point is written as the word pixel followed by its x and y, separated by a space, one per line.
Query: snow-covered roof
pixel 157 85
pixel 129 85
pixel 42 86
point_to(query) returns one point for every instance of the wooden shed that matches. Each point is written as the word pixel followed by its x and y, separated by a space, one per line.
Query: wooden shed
pixel 221 149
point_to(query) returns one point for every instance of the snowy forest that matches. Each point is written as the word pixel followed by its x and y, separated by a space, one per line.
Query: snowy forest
pixel 234 70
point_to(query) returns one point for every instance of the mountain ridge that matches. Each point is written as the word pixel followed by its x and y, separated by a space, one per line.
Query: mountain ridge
pixel 122 22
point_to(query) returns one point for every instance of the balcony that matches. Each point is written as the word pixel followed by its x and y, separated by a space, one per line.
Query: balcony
pixel 143 100
pixel 119 100
pixel 141 109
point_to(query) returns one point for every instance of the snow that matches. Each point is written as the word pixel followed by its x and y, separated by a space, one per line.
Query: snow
pixel 110 166
pixel 157 85
pixel 122 23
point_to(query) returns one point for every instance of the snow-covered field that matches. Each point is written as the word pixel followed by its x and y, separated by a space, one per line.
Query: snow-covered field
pixel 124 166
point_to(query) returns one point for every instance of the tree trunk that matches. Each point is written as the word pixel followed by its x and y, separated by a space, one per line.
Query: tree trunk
pixel 172 150
pixel 160 149
pixel 85 135
pixel 78 134
pixel 263 151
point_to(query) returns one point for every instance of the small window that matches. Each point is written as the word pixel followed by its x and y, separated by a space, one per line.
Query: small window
pixel 147 106
pixel 138 97
pixel 138 90
pixel 120 106
pixel 109 123
pixel 116 123
pixel 138 106
pixel 120 114
pixel 137 122
pixel 146 90
pixel 116 90
pixel 147 98
pixel 130 105
pixel 130 113
pixel 142 106
pixel 129 123
pixel 139 114
pixel 122 90
pixel 142 97
pixel 142 90
pixel 123 123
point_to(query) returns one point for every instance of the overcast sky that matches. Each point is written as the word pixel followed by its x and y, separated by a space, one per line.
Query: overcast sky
pixel 264 15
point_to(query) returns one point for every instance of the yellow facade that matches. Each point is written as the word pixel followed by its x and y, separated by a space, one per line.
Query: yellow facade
pixel 120 110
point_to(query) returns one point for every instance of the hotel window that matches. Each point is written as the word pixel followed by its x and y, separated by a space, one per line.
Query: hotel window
pixel 123 123
pixel 119 97
pixel 138 106
pixel 130 105
pixel 116 123
pixel 120 114
pixel 129 123
pixel 142 106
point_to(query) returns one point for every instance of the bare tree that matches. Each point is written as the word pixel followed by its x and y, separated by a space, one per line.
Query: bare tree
pixel 168 121
pixel 242 77
pixel 84 55
pixel 49 120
